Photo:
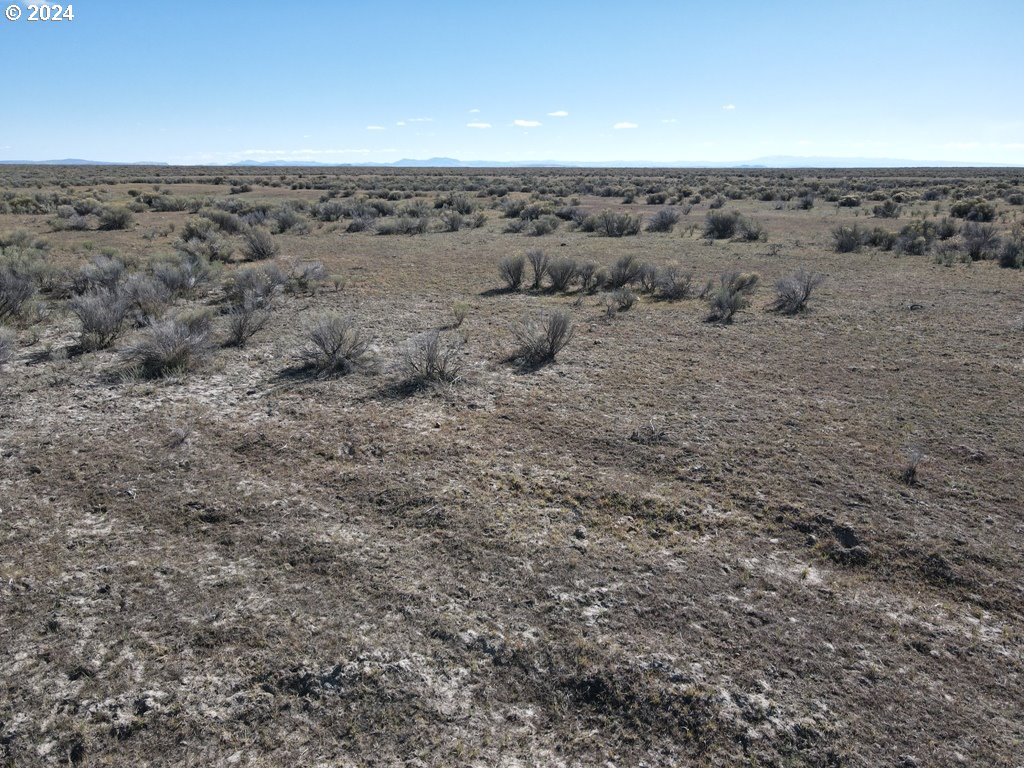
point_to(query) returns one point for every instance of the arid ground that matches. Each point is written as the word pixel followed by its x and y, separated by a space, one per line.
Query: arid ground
pixel 786 540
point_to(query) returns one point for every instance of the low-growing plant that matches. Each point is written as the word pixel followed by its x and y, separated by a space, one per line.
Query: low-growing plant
pixel 335 346
pixel 8 343
pixel 169 347
pixel 539 263
pixel 511 269
pixel 721 225
pixel 980 241
pixel 184 273
pixel 541 339
pixel 587 274
pixel 115 218
pixel 848 239
pixel 664 220
pixel 673 284
pixel 624 298
pixel 101 313
pixel 731 296
pixel 431 358
pixel 624 272
pixel 258 244
pixel 793 292
pixel 16 292
pixel 460 310
pixel 145 297
pixel 612 224
pixel 562 272
pixel 1011 255
pixel 973 210
pixel 246 319
pixel 887 210
pixel 751 231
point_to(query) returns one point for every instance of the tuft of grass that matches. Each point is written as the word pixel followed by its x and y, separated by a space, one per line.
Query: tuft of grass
pixel 562 272
pixel 247 318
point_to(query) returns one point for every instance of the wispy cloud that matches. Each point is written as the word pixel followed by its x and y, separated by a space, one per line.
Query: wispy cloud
pixel 474 111
pixel 526 123
pixel 670 120
pixel 624 126
pixel 729 107
pixel 400 122
pixel 559 113
pixel 478 125
pixel 419 119
pixel 375 128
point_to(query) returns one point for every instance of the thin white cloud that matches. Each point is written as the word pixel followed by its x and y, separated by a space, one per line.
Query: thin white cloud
pixel 420 119
pixel 478 125
pixel 400 122
pixel 729 107
pixel 375 128
pixel 624 126
pixel 670 120
pixel 474 111
pixel 559 113
pixel 526 123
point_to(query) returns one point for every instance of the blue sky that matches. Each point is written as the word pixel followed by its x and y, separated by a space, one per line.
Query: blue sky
pixel 215 82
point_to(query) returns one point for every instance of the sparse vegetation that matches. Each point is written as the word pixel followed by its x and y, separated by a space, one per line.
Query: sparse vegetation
pixel 431 358
pixel 541 339
pixel 169 347
pixel 512 269
pixel 793 292
pixel 335 346
pixel 731 296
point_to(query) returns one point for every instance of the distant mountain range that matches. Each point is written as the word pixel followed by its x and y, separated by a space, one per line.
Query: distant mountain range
pixel 774 161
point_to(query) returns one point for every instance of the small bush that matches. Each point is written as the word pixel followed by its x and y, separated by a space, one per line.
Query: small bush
pixel 452 221
pixel 511 269
pixel 721 225
pixel 664 220
pixel 887 210
pixel 541 339
pixel 246 319
pixel 973 210
pixel 1011 256
pixel 751 231
pixel 848 201
pixel 145 297
pixel 625 271
pixel 184 273
pixel 403 225
pixel 101 314
pixel 848 239
pixel 305 276
pixel 545 225
pixel 254 284
pixel 793 292
pixel 587 274
pixel 16 291
pixel 674 284
pixel 731 296
pixel 258 244
pixel 880 238
pixel 226 222
pixel 103 272
pixel 431 359
pixel 8 343
pixel 562 272
pixel 624 298
pixel 115 218
pixel 539 263
pixel 611 224
pixel 169 347
pixel 336 347
pixel 980 241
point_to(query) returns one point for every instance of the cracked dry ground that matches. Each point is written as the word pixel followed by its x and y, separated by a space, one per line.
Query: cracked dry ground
pixel 495 574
